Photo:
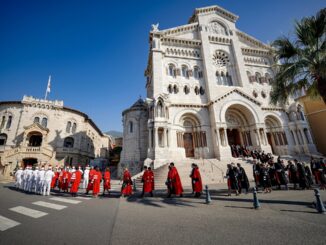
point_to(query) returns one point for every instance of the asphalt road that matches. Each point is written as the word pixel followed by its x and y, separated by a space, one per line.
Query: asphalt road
pixel 285 217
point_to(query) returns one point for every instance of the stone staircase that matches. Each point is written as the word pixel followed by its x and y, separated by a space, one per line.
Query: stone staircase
pixel 212 171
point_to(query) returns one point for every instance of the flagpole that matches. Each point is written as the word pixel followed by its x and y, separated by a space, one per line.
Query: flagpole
pixel 48 88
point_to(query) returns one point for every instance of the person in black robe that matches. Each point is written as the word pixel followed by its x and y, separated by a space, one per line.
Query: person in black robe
pixel 309 176
pixel 231 175
pixel 256 173
pixel 272 173
pixel 292 170
pixel 302 178
pixel 320 174
pixel 266 181
pixel 280 176
pixel 243 179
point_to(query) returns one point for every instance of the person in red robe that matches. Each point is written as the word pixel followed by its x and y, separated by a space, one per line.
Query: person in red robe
pixel 60 185
pixel 106 181
pixel 126 189
pixel 147 180
pixel 75 181
pixel 97 177
pixel 55 178
pixel 173 181
pixel 65 180
pixel 90 181
pixel 151 177
pixel 196 182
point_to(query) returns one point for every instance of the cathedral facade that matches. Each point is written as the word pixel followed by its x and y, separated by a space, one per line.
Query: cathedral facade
pixel 208 87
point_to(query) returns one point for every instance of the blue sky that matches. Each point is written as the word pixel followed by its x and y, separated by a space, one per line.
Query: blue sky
pixel 96 51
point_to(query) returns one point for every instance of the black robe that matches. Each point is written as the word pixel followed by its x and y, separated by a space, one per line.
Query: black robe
pixel 303 182
pixel 243 179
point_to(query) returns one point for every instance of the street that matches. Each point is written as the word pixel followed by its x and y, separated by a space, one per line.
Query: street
pixel 285 217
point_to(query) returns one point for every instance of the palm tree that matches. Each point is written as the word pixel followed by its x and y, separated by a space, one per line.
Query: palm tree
pixel 302 61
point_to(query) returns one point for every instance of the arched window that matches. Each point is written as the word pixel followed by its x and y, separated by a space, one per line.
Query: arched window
pixel 131 127
pixel 171 71
pixel 3 139
pixel 44 122
pixel 184 71
pixel 186 89
pixel 250 77
pixel 74 127
pixel 170 89
pixel 219 78
pixel 9 122
pixel 201 90
pixel 268 78
pixel 68 142
pixel 196 90
pixel 160 109
pixel 175 89
pixel 36 120
pixel 196 72
pixel 68 127
pixel 3 122
pixel 300 114
pixel 258 77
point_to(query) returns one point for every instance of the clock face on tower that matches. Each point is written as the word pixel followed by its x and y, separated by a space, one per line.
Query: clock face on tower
pixel 220 59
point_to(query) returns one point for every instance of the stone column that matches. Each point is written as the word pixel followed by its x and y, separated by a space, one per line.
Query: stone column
pixel 150 138
pixel 156 137
pixel 226 137
pixel 303 136
pixel 295 137
pixel 165 142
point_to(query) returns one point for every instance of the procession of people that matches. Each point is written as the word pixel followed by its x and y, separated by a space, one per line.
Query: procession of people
pixel 267 174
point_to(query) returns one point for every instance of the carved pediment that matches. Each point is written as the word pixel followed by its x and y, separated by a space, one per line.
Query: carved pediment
pixel 241 93
pixel 36 127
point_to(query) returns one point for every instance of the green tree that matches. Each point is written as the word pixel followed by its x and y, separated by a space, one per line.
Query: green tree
pixel 302 61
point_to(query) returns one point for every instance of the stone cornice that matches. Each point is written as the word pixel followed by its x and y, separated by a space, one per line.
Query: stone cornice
pixel 180 42
pixel 178 30
pixel 255 52
pixel 219 40
pixel 273 109
pixel 253 40
pixel 214 9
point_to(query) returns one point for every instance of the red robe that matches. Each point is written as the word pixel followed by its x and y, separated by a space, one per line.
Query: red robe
pixel 126 188
pixel 61 179
pixel 65 181
pixel 147 179
pixel 196 180
pixel 54 180
pixel 97 177
pixel 90 180
pixel 151 177
pixel 107 179
pixel 174 181
pixel 75 181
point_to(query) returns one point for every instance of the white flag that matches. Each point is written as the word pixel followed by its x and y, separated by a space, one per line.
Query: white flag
pixel 48 89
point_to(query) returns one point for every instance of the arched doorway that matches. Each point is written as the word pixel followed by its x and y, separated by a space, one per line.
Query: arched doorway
pixel 240 123
pixel 191 136
pixel 35 139
pixel 275 135
pixel 29 161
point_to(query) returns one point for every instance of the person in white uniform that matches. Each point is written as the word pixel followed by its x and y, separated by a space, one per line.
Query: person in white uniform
pixel 86 177
pixel 24 178
pixel 18 177
pixel 40 180
pixel 34 180
pixel 47 181
pixel 29 179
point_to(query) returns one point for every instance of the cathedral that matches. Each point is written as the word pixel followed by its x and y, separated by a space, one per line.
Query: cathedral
pixel 208 87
